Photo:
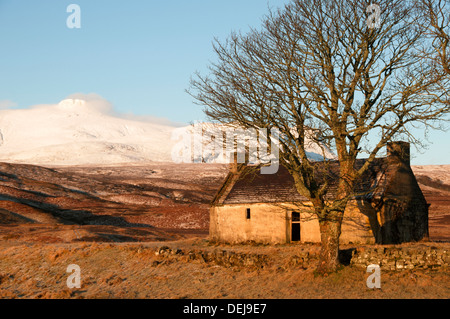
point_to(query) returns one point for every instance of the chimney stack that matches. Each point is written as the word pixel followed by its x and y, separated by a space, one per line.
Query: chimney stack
pixel 399 152
pixel 234 165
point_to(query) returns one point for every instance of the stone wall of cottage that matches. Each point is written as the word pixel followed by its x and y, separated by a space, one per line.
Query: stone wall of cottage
pixel 271 223
pixel 267 223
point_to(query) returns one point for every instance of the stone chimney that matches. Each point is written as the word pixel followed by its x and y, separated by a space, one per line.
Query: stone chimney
pixel 234 165
pixel 399 153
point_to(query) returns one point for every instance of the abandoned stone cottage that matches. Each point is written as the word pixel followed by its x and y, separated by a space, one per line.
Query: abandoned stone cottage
pixel 268 209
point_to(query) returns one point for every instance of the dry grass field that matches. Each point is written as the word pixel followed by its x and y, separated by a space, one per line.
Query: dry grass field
pixel 134 271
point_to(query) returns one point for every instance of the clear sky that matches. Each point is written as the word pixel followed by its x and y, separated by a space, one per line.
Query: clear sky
pixel 137 54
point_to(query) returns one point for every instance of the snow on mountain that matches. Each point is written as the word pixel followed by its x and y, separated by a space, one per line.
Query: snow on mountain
pixel 74 132
pixel 79 132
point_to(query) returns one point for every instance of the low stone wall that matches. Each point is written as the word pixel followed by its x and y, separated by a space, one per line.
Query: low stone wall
pixel 224 258
pixel 387 257
pixel 395 258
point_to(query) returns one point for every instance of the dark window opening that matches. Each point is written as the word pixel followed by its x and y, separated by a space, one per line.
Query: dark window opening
pixel 248 213
pixel 295 232
pixel 295 226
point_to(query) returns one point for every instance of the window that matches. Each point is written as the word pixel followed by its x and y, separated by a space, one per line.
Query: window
pixel 248 215
pixel 295 226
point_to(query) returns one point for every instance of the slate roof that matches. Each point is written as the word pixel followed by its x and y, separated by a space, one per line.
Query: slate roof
pixel 249 186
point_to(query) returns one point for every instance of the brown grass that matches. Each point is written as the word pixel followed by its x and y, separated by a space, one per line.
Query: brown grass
pixel 134 271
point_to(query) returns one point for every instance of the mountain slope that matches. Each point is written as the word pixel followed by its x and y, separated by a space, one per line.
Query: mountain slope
pixel 74 132
pixel 79 132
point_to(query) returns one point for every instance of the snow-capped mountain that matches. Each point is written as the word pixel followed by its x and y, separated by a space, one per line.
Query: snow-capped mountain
pixel 80 132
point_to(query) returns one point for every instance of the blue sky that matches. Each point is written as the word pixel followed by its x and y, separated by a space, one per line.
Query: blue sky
pixel 137 54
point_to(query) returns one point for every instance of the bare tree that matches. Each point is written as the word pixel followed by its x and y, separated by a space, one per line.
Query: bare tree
pixel 324 69
pixel 435 17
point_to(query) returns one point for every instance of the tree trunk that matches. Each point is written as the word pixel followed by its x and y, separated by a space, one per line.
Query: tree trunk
pixel 330 230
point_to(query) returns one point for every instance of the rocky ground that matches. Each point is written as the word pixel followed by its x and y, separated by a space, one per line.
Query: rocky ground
pixel 112 222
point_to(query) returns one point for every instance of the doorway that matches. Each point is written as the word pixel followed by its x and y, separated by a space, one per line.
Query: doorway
pixel 295 226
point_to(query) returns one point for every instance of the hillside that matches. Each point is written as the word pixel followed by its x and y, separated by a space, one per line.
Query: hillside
pixel 434 180
pixel 119 203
